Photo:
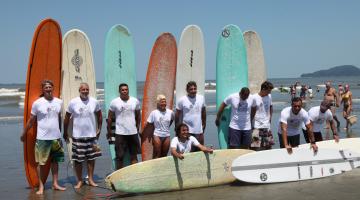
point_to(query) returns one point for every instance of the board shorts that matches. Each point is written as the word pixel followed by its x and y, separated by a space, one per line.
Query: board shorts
pixel 317 135
pixel 126 142
pixel 198 137
pixel 293 141
pixel 45 149
pixel 85 149
pixel 238 138
pixel 262 138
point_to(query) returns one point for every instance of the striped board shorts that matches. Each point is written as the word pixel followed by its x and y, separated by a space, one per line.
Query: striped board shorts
pixel 85 149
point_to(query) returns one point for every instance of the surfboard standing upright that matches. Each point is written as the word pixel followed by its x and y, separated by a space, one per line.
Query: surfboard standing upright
pixel 255 61
pixel 160 79
pixel 119 68
pixel 44 63
pixel 191 61
pixel 78 67
pixel 231 73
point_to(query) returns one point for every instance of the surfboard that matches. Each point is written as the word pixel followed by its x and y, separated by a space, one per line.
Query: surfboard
pixel 160 79
pixel 255 60
pixel 277 165
pixel 44 63
pixel 77 67
pixel 191 61
pixel 196 170
pixel 231 73
pixel 119 68
pixel 352 119
pixel 352 144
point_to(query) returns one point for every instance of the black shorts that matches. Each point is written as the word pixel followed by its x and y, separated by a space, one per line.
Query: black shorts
pixel 198 138
pixel 293 141
pixel 239 138
pixel 126 142
pixel 317 135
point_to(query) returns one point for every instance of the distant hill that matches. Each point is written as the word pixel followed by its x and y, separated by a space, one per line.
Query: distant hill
pixel 343 70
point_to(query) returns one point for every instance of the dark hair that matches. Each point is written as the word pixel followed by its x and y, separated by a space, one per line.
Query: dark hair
pixel 190 83
pixel 123 84
pixel 296 99
pixel 266 85
pixel 178 127
pixel 245 91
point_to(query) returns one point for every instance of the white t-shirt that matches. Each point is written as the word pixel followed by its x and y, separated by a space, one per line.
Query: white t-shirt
pixel 161 121
pixel 191 112
pixel 240 111
pixel 318 118
pixel 83 114
pixel 293 121
pixel 47 114
pixel 184 147
pixel 125 115
pixel 262 115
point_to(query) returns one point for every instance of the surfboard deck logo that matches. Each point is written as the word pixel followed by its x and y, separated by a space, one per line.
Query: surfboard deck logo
pixel 77 60
pixel 226 33
pixel 120 61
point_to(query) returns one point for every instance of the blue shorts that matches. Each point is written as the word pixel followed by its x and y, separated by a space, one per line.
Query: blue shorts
pixel 238 138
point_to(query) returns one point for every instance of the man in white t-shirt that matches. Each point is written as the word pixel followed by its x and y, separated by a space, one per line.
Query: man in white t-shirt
pixel 126 111
pixel 183 142
pixel 290 122
pixel 318 116
pixel 46 112
pixel 262 137
pixel 242 113
pixel 86 114
pixel 191 110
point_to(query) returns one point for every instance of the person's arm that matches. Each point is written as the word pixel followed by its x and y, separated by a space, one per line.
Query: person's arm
pixel 176 154
pixel 66 125
pixel 203 118
pixel 204 148
pixel 336 98
pixel 350 100
pixel 271 113
pixel 99 123
pixel 178 115
pixel 219 113
pixel 284 137
pixel 333 129
pixel 311 137
pixel 252 116
pixel 137 119
pixel 29 124
pixel 109 121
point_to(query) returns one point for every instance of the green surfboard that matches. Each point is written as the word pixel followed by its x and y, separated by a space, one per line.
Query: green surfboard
pixel 119 68
pixel 231 73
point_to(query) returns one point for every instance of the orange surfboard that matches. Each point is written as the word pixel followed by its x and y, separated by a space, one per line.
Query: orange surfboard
pixel 160 79
pixel 44 63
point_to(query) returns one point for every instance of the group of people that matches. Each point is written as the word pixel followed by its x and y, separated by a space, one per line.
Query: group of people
pixel 249 127
pixel 305 91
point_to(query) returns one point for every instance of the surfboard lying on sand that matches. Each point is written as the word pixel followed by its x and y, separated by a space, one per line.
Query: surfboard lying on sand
pixel 169 173
pixel 77 67
pixel 44 63
pixel 277 165
pixel 352 144
pixel 191 61
pixel 231 74
pixel 160 79
pixel 119 68
pixel 255 61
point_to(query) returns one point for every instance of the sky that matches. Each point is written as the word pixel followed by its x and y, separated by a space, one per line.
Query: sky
pixel 297 36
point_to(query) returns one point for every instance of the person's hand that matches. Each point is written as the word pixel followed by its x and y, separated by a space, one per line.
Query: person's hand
pixel 336 138
pixel 314 147
pixel 288 149
pixel 180 156
pixel 98 134
pixel 108 136
pixel 217 122
pixel 209 150
pixel 22 137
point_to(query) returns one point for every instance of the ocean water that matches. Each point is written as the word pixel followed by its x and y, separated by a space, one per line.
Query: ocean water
pixel 12 177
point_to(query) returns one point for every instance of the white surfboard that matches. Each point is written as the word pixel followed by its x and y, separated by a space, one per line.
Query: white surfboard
pixel 77 67
pixel 190 61
pixel 277 165
pixel 255 59
pixel 352 144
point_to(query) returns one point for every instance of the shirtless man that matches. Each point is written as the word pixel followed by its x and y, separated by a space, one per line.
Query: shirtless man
pixel 331 95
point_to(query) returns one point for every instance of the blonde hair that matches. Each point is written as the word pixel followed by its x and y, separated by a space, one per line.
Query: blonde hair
pixel 160 97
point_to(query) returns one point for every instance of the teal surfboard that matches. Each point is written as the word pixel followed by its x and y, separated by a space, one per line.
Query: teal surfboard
pixel 231 73
pixel 119 68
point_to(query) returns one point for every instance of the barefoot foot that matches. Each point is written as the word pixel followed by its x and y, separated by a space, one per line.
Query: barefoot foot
pixel 92 183
pixel 78 185
pixel 58 187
